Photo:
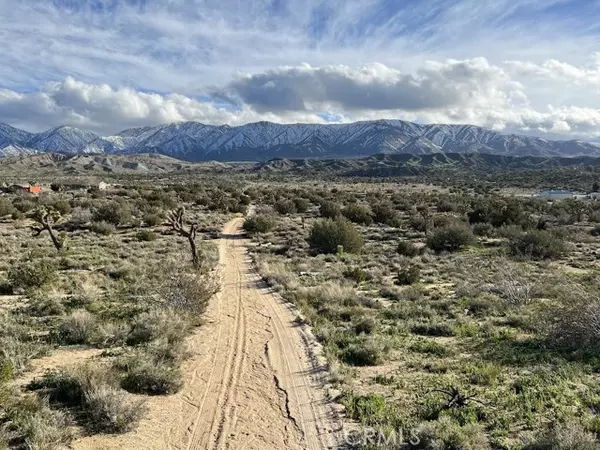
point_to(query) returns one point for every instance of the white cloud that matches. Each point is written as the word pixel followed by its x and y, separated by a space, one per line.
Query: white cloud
pixel 470 83
pixel 553 69
pixel 111 64
pixel 106 110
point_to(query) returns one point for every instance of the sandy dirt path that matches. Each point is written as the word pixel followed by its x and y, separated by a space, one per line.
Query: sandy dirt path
pixel 252 382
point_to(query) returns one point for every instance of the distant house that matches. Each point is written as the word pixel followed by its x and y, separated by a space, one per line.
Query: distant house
pixel 32 189
pixel 594 195
pixel 556 194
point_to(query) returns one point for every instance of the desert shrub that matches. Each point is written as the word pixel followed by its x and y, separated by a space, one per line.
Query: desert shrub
pixel 152 219
pixel 406 248
pixel 418 222
pixel 330 210
pixel 115 213
pixel 32 274
pixel 146 375
pixel 537 244
pixel 447 434
pixel 365 325
pixel 575 325
pixel 24 205
pixel 62 206
pixel 41 305
pixel 407 275
pixel 146 235
pixel 285 207
pixel 104 228
pixel 259 223
pixel 358 214
pixel 108 410
pixel 357 274
pixel 364 352
pixel 32 422
pixel 6 207
pixel 326 236
pixel 80 217
pixel 450 239
pixel 483 229
pixel 187 293
pixel 384 212
pixel 366 409
pixel 77 328
pixel 564 436
pixel 301 204
pixel 93 390
pixel 17 215
pixel 157 323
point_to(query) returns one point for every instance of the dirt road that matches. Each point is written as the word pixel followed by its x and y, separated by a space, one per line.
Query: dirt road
pixel 251 383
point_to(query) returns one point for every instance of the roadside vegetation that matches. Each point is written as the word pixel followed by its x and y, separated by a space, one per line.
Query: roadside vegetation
pixel 98 292
pixel 466 319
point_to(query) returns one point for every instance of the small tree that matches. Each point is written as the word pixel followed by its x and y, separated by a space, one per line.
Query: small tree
pixel 47 217
pixel 176 221
pixel 327 236
pixel 450 239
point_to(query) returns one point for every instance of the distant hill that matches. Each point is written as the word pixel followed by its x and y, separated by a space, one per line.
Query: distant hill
pixel 82 164
pixel 262 141
pixel 385 165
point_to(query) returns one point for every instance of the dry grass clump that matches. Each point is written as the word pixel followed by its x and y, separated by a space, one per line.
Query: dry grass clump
pixel 92 390
pixel 155 324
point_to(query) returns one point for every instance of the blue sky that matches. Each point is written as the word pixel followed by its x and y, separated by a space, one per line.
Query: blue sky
pixel 526 66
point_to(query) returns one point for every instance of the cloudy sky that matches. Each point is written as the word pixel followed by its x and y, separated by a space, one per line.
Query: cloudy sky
pixel 523 66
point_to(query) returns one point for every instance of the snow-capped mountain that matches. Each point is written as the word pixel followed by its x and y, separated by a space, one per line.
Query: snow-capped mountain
pixel 193 141
pixel 63 140
pixel 12 136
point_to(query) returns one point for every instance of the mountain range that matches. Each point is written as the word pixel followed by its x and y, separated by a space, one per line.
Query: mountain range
pixel 261 141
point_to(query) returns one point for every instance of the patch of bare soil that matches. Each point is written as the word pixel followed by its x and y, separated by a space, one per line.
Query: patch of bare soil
pixel 253 381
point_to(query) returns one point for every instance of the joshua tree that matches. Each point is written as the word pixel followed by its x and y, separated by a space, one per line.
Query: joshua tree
pixel 176 221
pixel 46 218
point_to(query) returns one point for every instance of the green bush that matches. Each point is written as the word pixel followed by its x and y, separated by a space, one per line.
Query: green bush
pixel 407 275
pixel 384 212
pixel 105 408
pixel 146 235
pixel 450 239
pixel 6 207
pixel 77 328
pixel 564 436
pixel 326 236
pixel 156 324
pixel 152 219
pixel 187 293
pixel 447 434
pixel 285 207
pixel 148 376
pixel 365 352
pixel 103 228
pixel 62 206
pixel 537 244
pixel 259 223
pixel 115 213
pixel 406 248
pixel 330 210
pixel 32 274
pixel 358 214
pixel 301 205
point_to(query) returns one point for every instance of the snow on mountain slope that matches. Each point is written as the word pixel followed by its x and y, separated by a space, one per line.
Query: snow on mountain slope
pixel 62 139
pixel 16 151
pixel 12 136
pixel 195 141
